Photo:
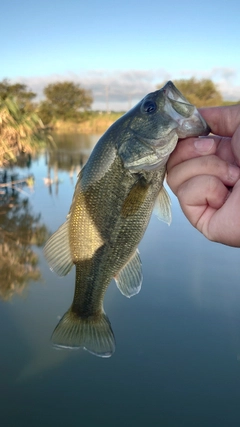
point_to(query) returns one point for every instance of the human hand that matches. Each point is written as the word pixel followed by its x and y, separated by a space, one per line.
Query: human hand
pixel 204 173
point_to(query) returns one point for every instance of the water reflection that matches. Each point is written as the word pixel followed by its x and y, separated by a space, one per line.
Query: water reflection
pixel 19 230
pixel 177 362
pixel 71 154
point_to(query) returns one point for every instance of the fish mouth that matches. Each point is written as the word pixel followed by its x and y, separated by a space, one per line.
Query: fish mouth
pixel 189 120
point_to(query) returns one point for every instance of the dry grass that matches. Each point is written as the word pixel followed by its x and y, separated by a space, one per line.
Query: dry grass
pixel 19 132
pixel 97 123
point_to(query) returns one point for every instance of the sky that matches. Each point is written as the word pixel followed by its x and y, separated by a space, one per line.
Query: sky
pixel 120 50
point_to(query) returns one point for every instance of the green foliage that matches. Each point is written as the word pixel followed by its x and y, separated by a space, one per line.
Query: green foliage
pixel 65 100
pixel 201 93
pixel 45 112
pixel 19 92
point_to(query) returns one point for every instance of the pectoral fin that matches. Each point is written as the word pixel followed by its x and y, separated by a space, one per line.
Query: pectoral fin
pixel 129 278
pixel 162 207
pixel 57 251
pixel 135 198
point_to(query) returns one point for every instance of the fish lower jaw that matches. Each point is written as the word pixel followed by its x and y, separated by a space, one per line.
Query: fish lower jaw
pixel 192 126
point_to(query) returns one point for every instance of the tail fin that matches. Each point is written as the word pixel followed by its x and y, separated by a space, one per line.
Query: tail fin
pixel 94 334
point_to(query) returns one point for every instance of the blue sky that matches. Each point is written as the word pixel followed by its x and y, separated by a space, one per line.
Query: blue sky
pixel 127 47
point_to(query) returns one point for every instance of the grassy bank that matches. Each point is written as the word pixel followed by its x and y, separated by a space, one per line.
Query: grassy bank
pixel 95 123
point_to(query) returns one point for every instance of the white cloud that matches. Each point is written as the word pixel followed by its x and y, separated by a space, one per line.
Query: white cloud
pixel 119 90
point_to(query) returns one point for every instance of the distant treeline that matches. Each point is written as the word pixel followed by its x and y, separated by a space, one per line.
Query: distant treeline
pixel 68 101
pixel 67 107
pixel 201 93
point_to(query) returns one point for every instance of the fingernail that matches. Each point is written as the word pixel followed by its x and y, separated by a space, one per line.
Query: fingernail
pixel 233 172
pixel 203 145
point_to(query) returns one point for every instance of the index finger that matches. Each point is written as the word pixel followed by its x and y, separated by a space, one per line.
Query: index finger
pixel 222 120
pixel 186 150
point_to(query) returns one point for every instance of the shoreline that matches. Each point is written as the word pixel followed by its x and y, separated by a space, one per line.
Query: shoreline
pixel 96 124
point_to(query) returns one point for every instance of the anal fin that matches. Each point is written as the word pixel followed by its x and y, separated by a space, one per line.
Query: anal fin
pixel 162 206
pixel 129 279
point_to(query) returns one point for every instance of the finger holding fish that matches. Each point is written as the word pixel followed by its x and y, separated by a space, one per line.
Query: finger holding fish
pixel 204 176
pixel 210 206
pixel 203 146
pixel 180 170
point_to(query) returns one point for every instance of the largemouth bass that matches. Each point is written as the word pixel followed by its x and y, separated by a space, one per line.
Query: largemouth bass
pixel 114 197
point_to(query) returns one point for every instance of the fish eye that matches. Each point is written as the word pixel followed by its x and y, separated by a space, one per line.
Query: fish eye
pixel 149 106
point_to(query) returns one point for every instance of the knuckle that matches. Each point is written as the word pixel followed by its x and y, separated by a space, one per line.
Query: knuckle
pixel 212 164
pixel 212 184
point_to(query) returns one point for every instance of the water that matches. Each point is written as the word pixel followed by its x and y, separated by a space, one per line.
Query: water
pixel 177 360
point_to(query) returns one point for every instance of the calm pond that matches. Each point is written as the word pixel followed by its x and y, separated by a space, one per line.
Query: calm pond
pixel 177 359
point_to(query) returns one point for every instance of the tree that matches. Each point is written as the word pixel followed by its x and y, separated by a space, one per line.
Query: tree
pixel 66 100
pixel 202 93
pixel 22 95
pixel 45 112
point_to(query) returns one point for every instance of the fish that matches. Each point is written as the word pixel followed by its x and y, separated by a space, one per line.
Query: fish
pixel 114 197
